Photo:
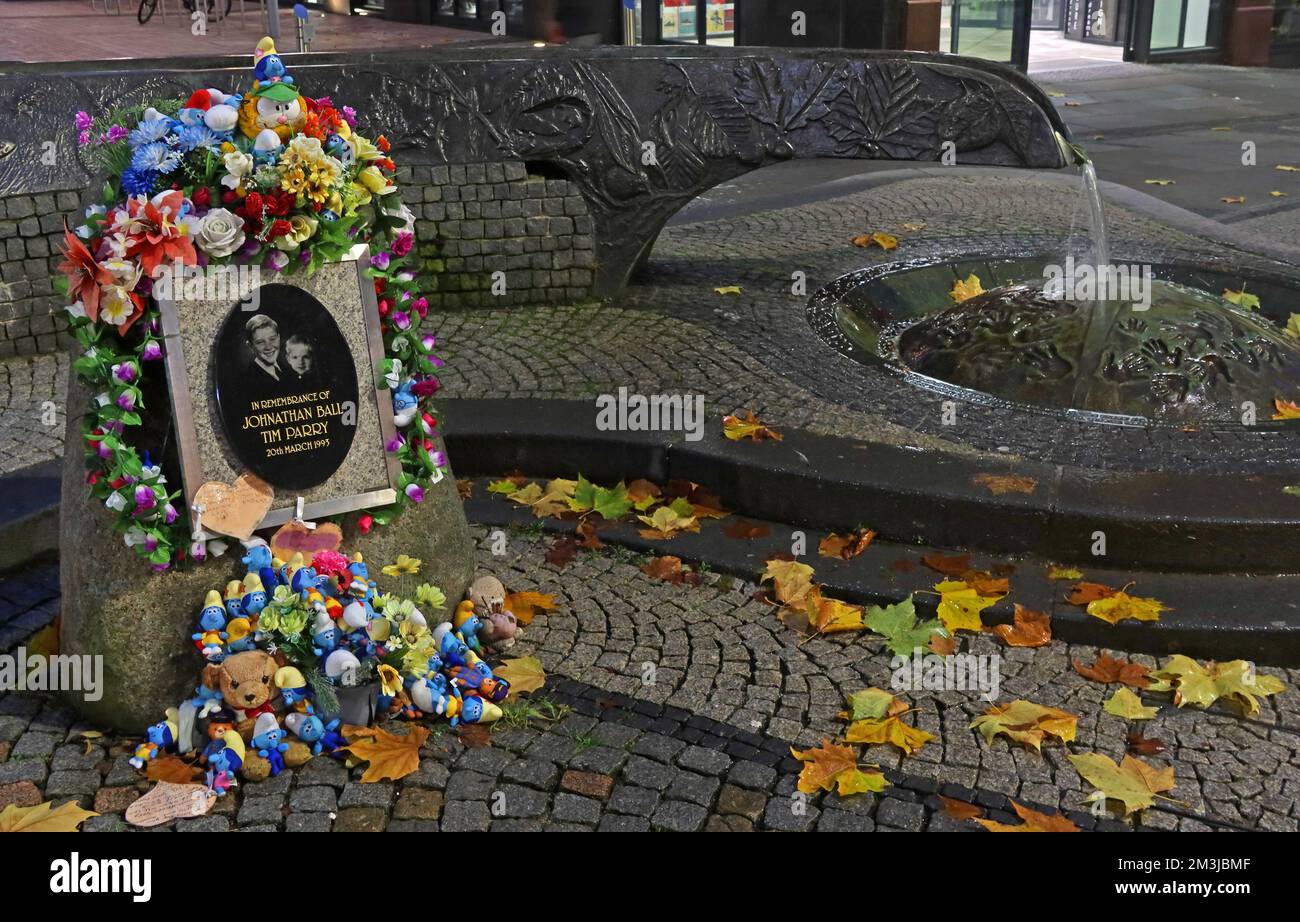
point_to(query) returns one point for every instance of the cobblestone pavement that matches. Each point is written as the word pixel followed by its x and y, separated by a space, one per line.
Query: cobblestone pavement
pixel 31 410
pixel 672 333
pixel 702 746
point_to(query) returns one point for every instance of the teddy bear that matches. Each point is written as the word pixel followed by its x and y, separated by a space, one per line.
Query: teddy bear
pixel 245 680
pixel 498 625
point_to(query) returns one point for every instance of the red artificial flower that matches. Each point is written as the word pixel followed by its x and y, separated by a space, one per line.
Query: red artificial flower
pixel 252 205
pixel 154 236
pixel 202 197
pixel 85 276
pixel 280 228
pixel 365 523
pixel 379 286
pixel 228 197
pixel 381 142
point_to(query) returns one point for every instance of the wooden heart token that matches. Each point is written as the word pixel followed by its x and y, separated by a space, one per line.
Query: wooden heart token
pixel 296 538
pixel 235 510
pixel 167 801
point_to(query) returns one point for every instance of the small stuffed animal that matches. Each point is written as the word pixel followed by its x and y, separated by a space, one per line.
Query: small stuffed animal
pixel 405 404
pixel 319 735
pixel 245 680
pixel 160 737
pixel 222 720
pixel 226 762
pixel 211 640
pixel 268 740
pixel 500 630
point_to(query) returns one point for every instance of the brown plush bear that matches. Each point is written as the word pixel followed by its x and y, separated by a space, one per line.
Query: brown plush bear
pixel 246 681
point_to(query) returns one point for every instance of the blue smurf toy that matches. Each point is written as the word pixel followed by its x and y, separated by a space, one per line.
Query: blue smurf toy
pixel 211 641
pixel 226 762
pixel 325 635
pixel 258 560
pixel 268 740
pixel 316 733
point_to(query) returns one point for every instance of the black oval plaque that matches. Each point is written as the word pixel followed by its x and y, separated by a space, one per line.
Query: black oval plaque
pixel 286 388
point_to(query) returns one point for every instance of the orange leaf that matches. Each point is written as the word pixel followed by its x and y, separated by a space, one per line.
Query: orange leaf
pixel 959 809
pixel 1084 593
pixel 526 605
pixel 670 570
pixel 172 768
pixel 745 530
pixel 823 765
pixel 845 547
pixel 1034 822
pixel 1031 629
pixel 948 566
pixel 1107 670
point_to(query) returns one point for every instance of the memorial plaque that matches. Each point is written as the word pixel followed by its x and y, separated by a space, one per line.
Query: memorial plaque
pixel 283 385
pixel 286 387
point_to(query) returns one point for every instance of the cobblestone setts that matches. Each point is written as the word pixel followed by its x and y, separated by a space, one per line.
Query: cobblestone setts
pixel 705 746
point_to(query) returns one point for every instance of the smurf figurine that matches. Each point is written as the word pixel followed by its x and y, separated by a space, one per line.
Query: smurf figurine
pixel 242 635
pixel 211 640
pixel 206 701
pixel 294 689
pixel 258 560
pixel 222 719
pixel 468 625
pixel 225 762
pixel 235 599
pixel 254 598
pixel 313 731
pixel 268 740
pixel 325 635
pixel 160 737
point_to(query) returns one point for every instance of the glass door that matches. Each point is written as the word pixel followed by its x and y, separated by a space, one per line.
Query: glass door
pixel 1048 14
pixel 995 30
pixel 1176 30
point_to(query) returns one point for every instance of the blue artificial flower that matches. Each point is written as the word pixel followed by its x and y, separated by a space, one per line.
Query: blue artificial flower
pixel 149 131
pixel 157 156
pixel 196 137
pixel 138 182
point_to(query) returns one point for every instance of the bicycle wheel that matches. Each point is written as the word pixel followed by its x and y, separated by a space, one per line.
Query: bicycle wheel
pixel 145 12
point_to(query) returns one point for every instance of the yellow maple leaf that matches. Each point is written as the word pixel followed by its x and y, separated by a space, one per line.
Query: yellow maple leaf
pixel 41 818
pixel 728 290
pixel 791 579
pixel 960 605
pixel 876 238
pixel 1237 681
pixel 390 756
pixel 857 781
pixel 736 427
pixel 1133 783
pixel 1287 168
pixel 1233 199
pixel 823 764
pixel 526 605
pixel 892 730
pixel 1124 703
pixel 965 289
pixel 1124 607
pixel 1026 723
pixel 524 674
pixel 830 616
pixel 1159 182
pixel 665 523
pixel 1033 822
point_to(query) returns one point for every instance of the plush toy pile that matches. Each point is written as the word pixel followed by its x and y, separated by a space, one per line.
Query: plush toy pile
pixel 271 180
pixel 291 639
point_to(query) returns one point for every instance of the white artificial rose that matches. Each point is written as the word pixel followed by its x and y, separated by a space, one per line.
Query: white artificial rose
pixel 238 163
pixel 221 233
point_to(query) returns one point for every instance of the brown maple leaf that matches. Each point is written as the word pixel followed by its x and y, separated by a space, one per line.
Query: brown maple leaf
pixel 1144 745
pixel 1086 593
pixel 959 809
pixel 172 768
pixel 1001 484
pixel 1107 669
pixel 465 487
pixel 561 553
pixel 1030 629
pixel 669 569
pixel 846 547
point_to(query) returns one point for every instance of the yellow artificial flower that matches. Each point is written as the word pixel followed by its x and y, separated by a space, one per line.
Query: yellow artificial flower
pixel 404 566
pixel 390 680
pixel 365 150
pixel 302 227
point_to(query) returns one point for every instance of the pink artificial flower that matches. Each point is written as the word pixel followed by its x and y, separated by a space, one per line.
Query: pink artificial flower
pixel 401 320
pixel 152 351
pixel 403 243
pixel 415 492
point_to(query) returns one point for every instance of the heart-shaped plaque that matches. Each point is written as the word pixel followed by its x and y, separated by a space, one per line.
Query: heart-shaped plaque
pixel 235 510
pixel 296 538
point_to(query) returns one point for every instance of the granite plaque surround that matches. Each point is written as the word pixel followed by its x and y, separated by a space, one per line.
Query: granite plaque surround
pixel 284 386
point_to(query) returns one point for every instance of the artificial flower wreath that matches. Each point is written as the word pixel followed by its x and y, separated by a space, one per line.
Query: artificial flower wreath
pixel 273 179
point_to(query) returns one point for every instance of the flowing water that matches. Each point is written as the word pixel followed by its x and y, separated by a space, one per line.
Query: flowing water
pixel 1103 310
